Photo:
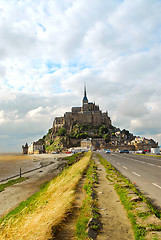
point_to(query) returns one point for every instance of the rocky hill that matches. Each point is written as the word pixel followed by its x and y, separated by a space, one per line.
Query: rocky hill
pixel 89 122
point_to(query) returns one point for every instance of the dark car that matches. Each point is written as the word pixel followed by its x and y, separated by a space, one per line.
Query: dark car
pixel 124 151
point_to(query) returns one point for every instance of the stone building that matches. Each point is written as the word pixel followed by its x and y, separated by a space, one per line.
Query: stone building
pixel 58 123
pixel 25 149
pixel 34 148
pixel 88 114
pixel 142 143
pixel 86 143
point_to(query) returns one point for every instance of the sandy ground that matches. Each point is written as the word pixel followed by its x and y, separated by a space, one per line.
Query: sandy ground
pixel 51 165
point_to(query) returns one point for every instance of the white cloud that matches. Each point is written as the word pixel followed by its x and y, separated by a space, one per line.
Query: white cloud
pixel 50 48
pixel 2 118
pixel 35 114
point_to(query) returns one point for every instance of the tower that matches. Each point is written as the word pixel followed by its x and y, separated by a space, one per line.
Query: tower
pixel 85 99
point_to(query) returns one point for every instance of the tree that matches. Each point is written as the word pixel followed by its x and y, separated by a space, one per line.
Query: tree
pixel 107 137
pixel 51 141
pixel 103 130
pixel 81 135
pixel 99 135
pixel 126 132
pixel 50 130
pixel 62 131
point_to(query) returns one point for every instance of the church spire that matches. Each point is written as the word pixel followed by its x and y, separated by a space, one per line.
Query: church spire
pixel 85 93
pixel 85 99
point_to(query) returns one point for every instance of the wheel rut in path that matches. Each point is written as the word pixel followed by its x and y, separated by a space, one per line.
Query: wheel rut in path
pixel 116 224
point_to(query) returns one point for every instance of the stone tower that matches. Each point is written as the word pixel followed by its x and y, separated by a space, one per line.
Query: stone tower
pixel 25 149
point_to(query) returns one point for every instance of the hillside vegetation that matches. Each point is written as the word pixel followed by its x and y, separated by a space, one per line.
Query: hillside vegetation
pixel 41 214
pixel 57 141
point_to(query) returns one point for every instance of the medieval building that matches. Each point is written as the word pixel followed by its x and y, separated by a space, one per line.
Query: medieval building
pixel 34 148
pixel 87 114
pixel 92 120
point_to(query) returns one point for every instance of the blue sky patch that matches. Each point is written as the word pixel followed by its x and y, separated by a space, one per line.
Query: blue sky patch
pixel 42 26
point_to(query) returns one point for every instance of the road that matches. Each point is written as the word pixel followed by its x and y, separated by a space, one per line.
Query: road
pixel 144 171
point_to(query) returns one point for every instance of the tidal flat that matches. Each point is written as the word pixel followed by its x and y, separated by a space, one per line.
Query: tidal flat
pixel 10 164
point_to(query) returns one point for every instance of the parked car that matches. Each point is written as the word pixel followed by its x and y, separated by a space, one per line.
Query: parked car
pixel 54 152
pixel 146 150
pixel 68 152
pixel 141 151
pixel 124 151
pixel 107 151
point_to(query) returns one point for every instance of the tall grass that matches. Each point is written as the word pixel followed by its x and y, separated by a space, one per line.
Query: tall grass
pixel 39 216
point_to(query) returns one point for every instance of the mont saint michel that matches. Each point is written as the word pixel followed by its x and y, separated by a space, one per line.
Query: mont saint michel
pixel 88 114
pixel 87 126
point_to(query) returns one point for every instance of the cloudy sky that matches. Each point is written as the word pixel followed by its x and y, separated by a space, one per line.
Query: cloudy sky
pixel 49 48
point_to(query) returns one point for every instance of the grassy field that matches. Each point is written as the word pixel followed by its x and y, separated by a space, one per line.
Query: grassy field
pixel 41 214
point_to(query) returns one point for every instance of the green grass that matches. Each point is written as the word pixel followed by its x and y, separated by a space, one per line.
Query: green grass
pixel 30 204
pixel 155 238
pixel 82 221
pixel 73 158
pixel 89 207
pixel 139 232
pixel 56 145
pixel 123 197
pixel 11 183
pixel 143 215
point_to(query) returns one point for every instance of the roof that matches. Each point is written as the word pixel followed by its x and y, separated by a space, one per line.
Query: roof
pixel 85 99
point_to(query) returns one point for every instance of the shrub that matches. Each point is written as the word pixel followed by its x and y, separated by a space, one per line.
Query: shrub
pixel 62 131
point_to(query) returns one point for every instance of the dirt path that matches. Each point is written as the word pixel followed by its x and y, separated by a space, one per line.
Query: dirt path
pixel 113 216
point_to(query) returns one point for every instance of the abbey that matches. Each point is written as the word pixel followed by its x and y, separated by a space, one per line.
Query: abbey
pixel 87 114
pixel 87 126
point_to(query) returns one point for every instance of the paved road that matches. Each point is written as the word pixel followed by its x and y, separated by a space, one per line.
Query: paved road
pixel 144 171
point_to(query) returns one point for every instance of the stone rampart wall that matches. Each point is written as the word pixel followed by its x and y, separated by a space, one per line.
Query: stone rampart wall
pixel 120 147
pixel 143 146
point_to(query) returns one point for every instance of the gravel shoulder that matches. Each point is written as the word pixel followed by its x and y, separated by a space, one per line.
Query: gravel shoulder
pixel 11 197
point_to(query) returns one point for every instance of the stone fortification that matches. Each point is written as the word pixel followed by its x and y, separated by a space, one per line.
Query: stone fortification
pixel 87 126
pixel 88 114
pixel 34 148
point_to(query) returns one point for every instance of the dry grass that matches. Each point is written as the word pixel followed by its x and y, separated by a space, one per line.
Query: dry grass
pixel 47 210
